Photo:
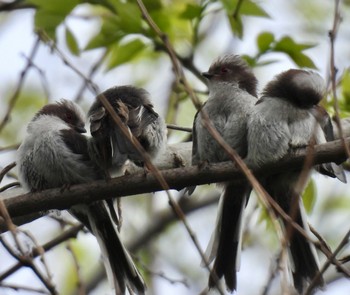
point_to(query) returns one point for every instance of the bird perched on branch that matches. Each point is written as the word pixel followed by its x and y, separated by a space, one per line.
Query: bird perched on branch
pixel 55 154
pixel 232 96
pixel 288 117
pixel 138 117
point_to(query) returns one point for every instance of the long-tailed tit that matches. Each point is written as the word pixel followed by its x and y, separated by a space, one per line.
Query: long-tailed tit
pixel 287 117
pixel 135 109
pixel 232 96
pixel 55 154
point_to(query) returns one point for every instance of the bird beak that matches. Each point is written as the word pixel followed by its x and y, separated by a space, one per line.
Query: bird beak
pixel 207 75
pixel 80 129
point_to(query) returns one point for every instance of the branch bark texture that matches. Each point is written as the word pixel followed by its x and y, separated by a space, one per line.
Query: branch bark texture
pixel 177 179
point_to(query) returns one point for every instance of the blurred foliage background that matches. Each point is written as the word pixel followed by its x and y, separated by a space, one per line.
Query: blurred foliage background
pixel 49 48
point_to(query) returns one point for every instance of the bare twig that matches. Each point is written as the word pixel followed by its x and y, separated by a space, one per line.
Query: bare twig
pixel 40 250
pixel 14 5
pixel 22 258
pixel 6 169
pixel 175 127
pixel 18 288
pixel 273 273
pixel 15 95
pixel 9 148
pixel 7 186
pixel 68 234
pixel 332 36
pixel 341 245
pixel 93 70
pixel 162 275
pixel 42 76
pixel 171 52
pixel 323 246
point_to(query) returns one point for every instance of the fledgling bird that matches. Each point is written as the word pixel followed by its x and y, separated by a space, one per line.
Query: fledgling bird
pixel 232 96
pixel 136 111
pixel 288 117
pixel 55 154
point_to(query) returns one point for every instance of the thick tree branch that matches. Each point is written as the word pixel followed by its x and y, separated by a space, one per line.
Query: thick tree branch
pixel 177 178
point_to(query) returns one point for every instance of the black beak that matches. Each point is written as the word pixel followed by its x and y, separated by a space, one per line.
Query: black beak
pixel 207 75
pixel 80 129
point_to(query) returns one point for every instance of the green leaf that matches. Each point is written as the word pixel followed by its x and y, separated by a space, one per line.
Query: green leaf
pixel 229 5
pixel 247 7
pixel 287 44
pixel 110 33
pixel 72 42
pixel 302 60
pixel 191 11
pixel 236 26
pixel 266 62
pixel 264 40
pixel 251 61
pixel 153 4
pixel 122 53
pixel 345 86
pixel 130 20
pixel 294 50
pixel 50 14
pixel 309 196
pixel 127 20
pixel 251 8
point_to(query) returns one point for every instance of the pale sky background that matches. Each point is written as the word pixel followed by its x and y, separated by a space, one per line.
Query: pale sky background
pixel 17 38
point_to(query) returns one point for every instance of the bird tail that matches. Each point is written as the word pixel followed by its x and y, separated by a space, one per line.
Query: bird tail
pixel 225 244
pixel 121 270
pixel 302 252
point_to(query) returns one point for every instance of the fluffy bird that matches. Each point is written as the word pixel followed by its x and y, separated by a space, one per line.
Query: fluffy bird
pixel 54 154
pixel 288 117
pixel 232 96
pixel 136 111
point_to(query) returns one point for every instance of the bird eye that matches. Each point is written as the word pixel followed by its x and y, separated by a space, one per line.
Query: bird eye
pixel 69 117
pixel 224 70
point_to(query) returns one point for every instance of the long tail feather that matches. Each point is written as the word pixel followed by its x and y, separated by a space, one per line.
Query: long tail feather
pixel 227 244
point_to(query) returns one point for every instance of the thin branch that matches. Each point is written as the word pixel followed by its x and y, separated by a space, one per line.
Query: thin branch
pixel 165 217
pixel 68 234
pixel 175 127
pixel 323 246
pixel 332 36
pixel 40 250
pixel 22 258
pixel 6 169
pixel 172 54
pixel 14 5
pixel 18 288
pixel 314 282
pixel 15 95
pixel 10 185
pixel 273 273
pixel 42 76
pixel 86 82
pixel 9 148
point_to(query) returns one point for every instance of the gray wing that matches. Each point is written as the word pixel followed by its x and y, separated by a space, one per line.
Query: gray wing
pixel 334 170
pixel 195 158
